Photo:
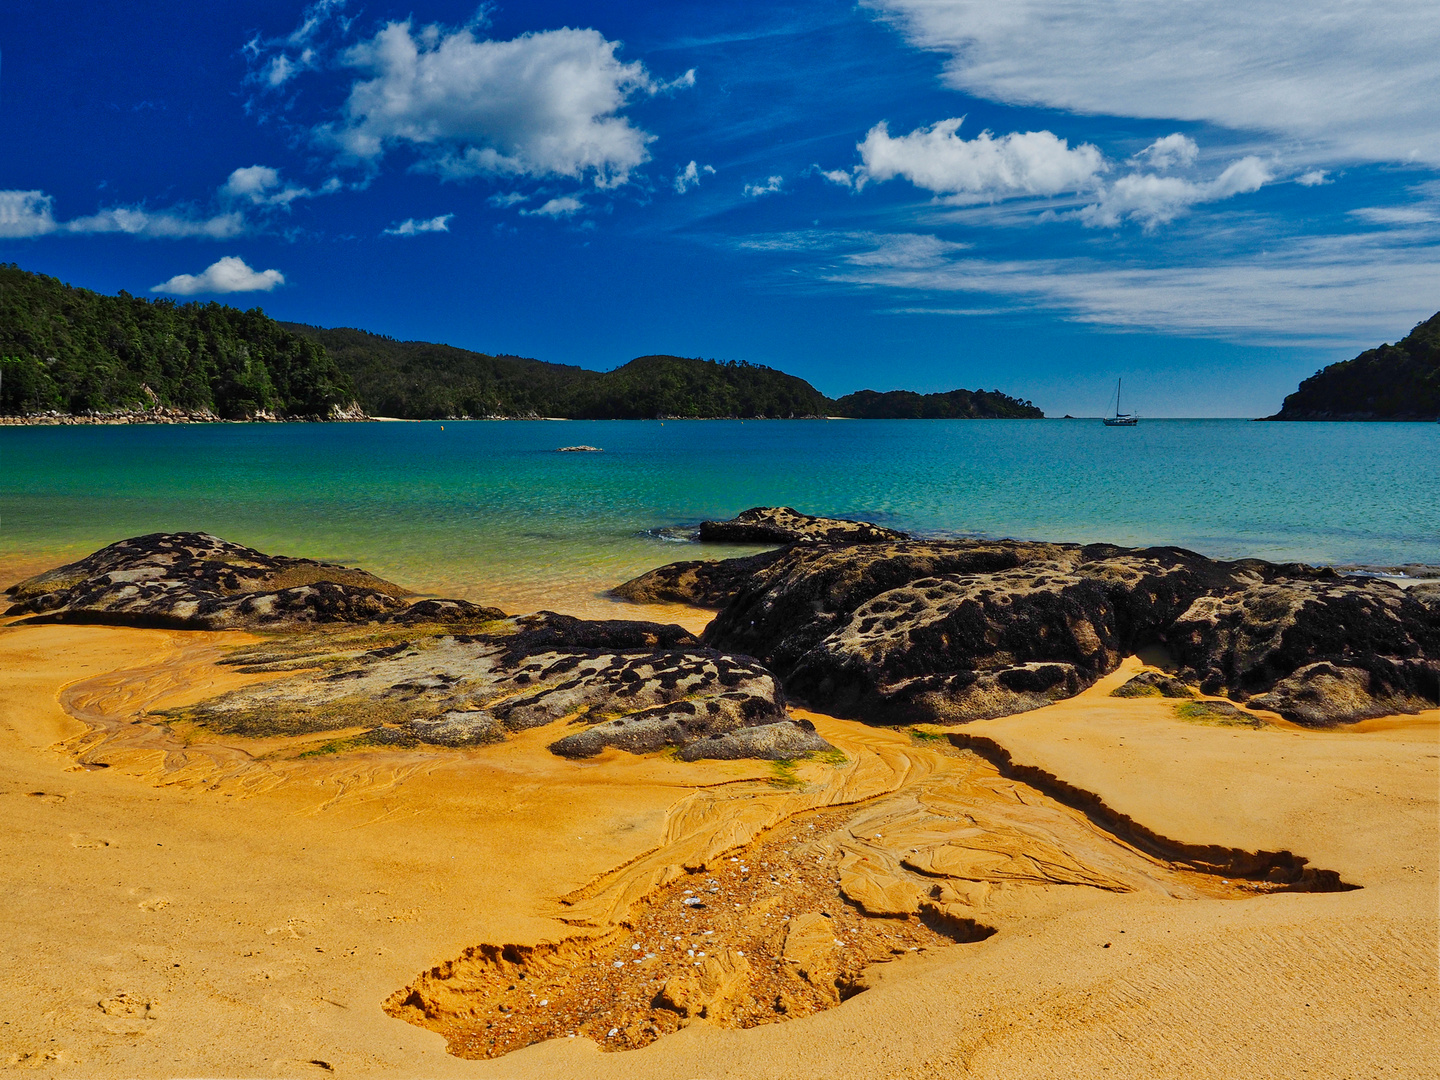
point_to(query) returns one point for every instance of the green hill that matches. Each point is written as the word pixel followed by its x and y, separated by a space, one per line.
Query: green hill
pixel 418 380
pixel 1393 382
pixel 74 351
pixel 955 405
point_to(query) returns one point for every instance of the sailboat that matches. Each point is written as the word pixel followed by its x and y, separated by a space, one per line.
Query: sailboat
pixel 1121 419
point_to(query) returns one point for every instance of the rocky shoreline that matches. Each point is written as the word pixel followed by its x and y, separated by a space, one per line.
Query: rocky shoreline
pixel 161 414
pixel 851 619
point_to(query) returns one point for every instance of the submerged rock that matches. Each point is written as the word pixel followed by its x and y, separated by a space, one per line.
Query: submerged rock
pixel 782 525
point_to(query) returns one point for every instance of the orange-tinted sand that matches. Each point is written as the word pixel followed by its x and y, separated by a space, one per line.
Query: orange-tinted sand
pixel 236 910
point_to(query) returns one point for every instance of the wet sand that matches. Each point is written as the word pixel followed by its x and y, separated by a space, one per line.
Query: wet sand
pixel 186 906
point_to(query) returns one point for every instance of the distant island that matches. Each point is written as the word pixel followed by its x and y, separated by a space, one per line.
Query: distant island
pixel 72 353
pixel 1392 382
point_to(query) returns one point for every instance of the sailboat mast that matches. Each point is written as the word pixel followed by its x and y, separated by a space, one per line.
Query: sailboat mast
pixel 1117 396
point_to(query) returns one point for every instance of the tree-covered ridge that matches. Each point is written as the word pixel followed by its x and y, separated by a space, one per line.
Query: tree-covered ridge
pixel 953 405
pixel 675 386
pixel 1393 382
pixel 420 380
pixel 75 351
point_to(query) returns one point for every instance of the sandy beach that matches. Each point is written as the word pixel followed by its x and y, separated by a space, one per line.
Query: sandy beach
pixel 185 905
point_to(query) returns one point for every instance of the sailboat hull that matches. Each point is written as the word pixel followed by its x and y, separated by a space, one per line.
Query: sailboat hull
pixel 1121 421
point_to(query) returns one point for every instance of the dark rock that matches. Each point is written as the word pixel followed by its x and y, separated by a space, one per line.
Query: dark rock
pixel 447 613
pixel 1153 684
pixel 637 686
pixel 931 631
pixel 702 583
pixel 198 581
pixel 1320 652
pixel 782 525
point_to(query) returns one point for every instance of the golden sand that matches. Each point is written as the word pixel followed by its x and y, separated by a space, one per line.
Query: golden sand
pixel 181 905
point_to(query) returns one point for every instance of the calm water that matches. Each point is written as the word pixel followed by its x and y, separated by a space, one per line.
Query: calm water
pixel 488 509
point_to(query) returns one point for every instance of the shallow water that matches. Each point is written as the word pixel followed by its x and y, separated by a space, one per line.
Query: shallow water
pixel 487 509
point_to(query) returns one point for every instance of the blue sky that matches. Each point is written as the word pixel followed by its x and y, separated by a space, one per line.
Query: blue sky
pixel 1037 196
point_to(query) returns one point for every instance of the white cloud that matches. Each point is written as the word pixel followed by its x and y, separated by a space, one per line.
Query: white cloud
pixel 412 227
pixel 1398 215
pixel 1313 178
pixel 1154 200
pixel 836 176
pixel 1351 81
pixel 769 186
pixel 1169 152
pixel 689 177
pixel 31 213
pixel 905 251
pixel 26 214
pixel 510 198
pixel 978 169
pixel 544 104
pixel 1346 289
pixel 228 275
pixel 261 185
pixel 288 56
pixel 563 206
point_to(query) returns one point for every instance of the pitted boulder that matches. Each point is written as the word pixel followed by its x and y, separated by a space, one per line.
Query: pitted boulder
pixel 707 583
pixel 949 632
pixel 198 581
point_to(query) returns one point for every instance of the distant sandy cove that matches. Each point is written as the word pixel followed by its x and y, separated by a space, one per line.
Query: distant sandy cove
pixel 179 905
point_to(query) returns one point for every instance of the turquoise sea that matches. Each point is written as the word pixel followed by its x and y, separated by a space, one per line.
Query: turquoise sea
pixel 489 510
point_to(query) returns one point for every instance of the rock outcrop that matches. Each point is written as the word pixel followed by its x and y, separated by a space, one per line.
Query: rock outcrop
pixel 636 686
pixel 708 583
pixel 953 631
pixel 782 525
pixel 201 582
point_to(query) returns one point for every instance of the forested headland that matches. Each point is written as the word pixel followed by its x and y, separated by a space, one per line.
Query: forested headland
pixel 1391 382
pixel 73 352
pixel 70 350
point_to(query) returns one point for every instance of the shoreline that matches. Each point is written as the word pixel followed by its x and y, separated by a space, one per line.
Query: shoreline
pixel 134 888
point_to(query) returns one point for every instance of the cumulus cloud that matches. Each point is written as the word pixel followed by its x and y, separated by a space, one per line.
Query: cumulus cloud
pixel 1313 178
pixel 1154 200
pixel 509 198
pixel 545 104
pixel 689 177
pixel 1169 152
pixel 1350 81
pixel 228 275
pixel 769 186
pixel 260 185
pixel 979 169
pixel 836 176
pixel 563 206
pixel 412 227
